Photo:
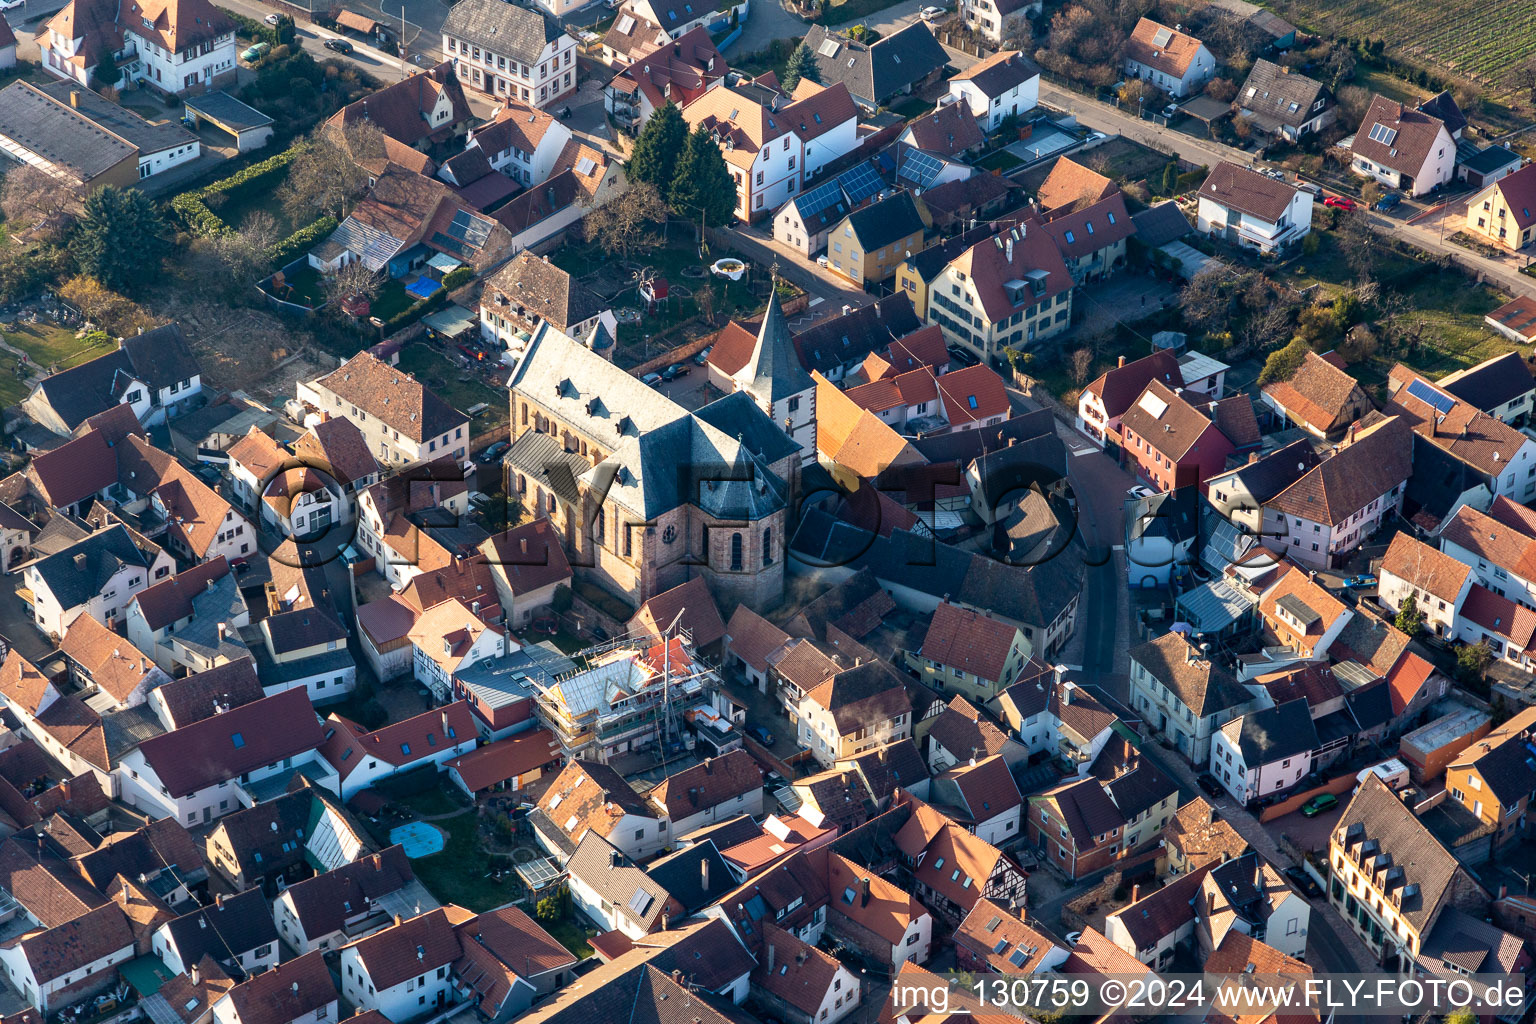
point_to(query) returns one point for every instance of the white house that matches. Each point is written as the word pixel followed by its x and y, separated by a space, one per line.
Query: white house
pixel 613 891
pixel 96 576
pixel 711 791
pixel 1253 210
pixel 985 792
pixel 1264 752
pixel 361 758
pixel 1438 581
pixel 591 797
pixel 405 971
pixel 774 144
pixel 344 904
pixel 1174 61
pixel 402 419
pixel 300 991
pixel 154 373
pixel 179 47
pixel 1403 148
pixel 1184 694
pixel 1160 532
pixel 521 141
pixel 1006 84
pixel 433 492
pixel 199 772
pixel 65 964
pixel 448 637
pixel 237 927
pixel 1247 895
pixel 510 51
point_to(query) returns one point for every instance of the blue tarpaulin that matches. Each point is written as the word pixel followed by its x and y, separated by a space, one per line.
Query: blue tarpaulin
pixel 422 287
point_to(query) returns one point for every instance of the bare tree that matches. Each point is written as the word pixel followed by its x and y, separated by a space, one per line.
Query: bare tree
pixel 32 194
pixel 326 176
pixel 1081 365
pixel 1204 299
pixel 627 222
pixel 352 280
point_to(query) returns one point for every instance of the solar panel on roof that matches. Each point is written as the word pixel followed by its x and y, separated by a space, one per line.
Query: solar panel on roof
pixel 921 168
pixel 1441 403
pixel 640 901
pixel 860 182
pixel 1161 36
pixel 820 198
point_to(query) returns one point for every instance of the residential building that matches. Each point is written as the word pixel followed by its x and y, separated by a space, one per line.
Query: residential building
pixel 96 575
pixel 1302 615
pixel 1501 213
pixel 666 72
pixel 1318 396
pixel 992 18
pixel 1239 495
pixel 1185 695
pixel 960 732
pixel 1493 777
pixel 1390 878
pixel 66 964
pixel 1172 443
pixel 1437 581
pixel 1502 387
pixel 982 796
pixel 1198 837
pixel 971 652
pixel 612 890
pixel 801 983
pixel 236 929
pixel 709 792
pixel 1284 103
pixel 520 141
pixel 529 291
pixel 994 939
pixel 508 961
pixel 918 272
pixel 1248 896
pixel 78 137
pixel 1092 238
pixel 202 770
pixel 675 17
pixel 1403 148
pixel 108 670
pixel 448 638
pixel 1003 85
pixel 1106 400
pixel 1174 61
pixel 951 868
pixel 1337 505
pixel 507 764
pixel 839 345
pixel 509 51
pixel 1152 926
pixel 858 708
pixel 868 244
pixel 773 147
pixel 425 112
pixel 300 991
pixel 360 757
pixel 184 47
pixel 404 970
pixel 1160 532
pixel 347 903
pixel 876 916
pixel 527 565
pixel 154 373
pixel 591 797
pixel 875 73
pixel 284 840
pixel 950 131
pixel 401 418
pixel 1430 749
pixel 1264 752
pixel 1015 284
pixel 1252 210
pixel 1496 546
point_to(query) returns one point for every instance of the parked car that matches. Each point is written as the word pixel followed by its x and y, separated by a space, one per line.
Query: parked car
pixel 1388 202
pixel 1171 110
pixel 1310 188
pixel 494 452
pixel 256 52
pixel 1318 804
pixel 703 357
pixel 822 261
pixel 760 734
pixel 1341 203
pixel 339 45
pixel 272 19
pixel 1208 783
pixel 1139 492
pixel 962 356
pixel 931 13
pixel 651 380
pixel 1303 881
pixel 1360 582
pixel 675 371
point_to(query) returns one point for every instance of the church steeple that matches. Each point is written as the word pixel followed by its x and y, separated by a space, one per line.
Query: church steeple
pixel 773 372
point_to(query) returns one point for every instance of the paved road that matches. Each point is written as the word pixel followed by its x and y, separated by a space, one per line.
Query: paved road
pixel 1109 119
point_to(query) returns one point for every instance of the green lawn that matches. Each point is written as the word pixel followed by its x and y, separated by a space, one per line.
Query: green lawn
pixel 54 346
pixel 910 107
pixel 443 377
pixel 458 874
pixel 392 299
pixel 571 935
pixel 1002 160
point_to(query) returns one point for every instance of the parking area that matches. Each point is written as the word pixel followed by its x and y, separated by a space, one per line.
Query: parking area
pixel 1310 835
pixel 692 390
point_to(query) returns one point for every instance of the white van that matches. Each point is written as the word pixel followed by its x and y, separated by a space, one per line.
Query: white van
pixel 1393 772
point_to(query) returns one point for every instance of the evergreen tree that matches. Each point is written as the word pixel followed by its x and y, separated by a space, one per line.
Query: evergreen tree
pixel 1171 178
pixel 658 149
pixel 703 182
pixel 801 64
pixel 106 72
pixel 1409 619
pixel 120 238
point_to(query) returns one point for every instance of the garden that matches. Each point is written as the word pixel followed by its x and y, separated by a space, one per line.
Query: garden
pixel 460 388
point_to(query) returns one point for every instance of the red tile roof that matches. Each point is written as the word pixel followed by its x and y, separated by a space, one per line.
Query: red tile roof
pixel 506 759
pixel 700 615
pixel 708 784
pixel 529 556
pixel 969 641
pixel 499 946
pixel 347 744
pixel 227 745
pixel 1173 57
pixel 973 393
pixel 797 973
pixel 888 910
pixel 171 599
pixel 1117 389
pixel 411 947
pixel 1425 567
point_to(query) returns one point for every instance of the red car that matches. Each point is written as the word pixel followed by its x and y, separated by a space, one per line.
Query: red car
pixel 1341 203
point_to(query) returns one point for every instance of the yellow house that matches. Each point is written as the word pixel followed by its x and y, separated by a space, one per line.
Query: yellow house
pixel 869 244
pixel 1493 778
pixel 1504 213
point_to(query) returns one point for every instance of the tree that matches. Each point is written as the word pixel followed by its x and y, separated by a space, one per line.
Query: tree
pixel 31 194
pixel 119 315
pixel 702 184
pixel 352 280
pixel 1081 366
pixel 1171 178
pixel 801 64
pixel 120 238
pixel 1221 89
pixel 106 72
pixel 1281 364
pixel 1203 299
pixel 327 175
pixel 1409 619
pixel 627 222
pixel 658 148
pixel 1370 192
pixel 1472 660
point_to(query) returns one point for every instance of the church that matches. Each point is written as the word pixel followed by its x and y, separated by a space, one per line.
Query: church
pixel 645 494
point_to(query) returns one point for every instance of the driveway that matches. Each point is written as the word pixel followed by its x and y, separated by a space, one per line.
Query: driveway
pixel 1309 835
pixel 767 21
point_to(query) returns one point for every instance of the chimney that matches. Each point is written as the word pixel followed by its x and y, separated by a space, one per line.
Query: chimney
pixel 677 976
pixel 770 958
pixel 1121 362
pixel 1253 457
pixel 522 543
pixel 397 919
pixel 1503 891
pixel 1135 893
pixel 218 900
pixel 74 98
pixel 196 974
pixel 704 874
pixel 864 897
pixel 378 862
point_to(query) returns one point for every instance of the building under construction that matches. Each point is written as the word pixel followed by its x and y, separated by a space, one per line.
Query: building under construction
pixel 627 695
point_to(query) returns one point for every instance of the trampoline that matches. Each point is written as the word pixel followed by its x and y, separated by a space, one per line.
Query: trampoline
pixel 418 838
pixel 423 287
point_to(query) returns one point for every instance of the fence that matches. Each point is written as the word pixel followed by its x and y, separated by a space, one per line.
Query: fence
pixel 1338 787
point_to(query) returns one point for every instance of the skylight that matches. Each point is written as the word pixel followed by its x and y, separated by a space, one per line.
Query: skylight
pixel 1382 134
pixel 238 740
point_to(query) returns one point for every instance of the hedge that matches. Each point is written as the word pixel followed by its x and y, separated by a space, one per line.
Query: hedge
pixel 300 241
pixel 454 279
pixel 192 207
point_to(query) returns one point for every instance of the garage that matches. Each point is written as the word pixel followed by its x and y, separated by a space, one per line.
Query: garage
pixel 250 128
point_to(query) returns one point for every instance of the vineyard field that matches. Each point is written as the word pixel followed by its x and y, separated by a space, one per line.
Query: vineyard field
pixel 1470 39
